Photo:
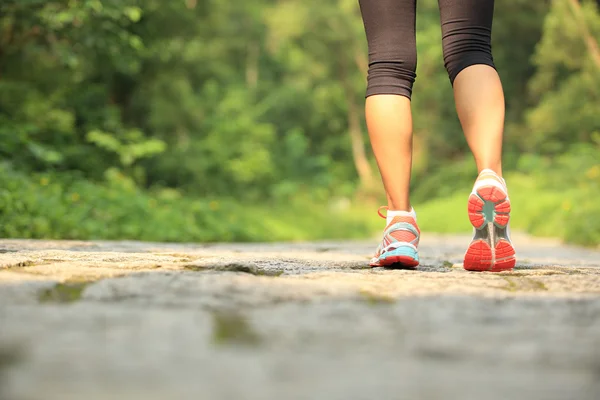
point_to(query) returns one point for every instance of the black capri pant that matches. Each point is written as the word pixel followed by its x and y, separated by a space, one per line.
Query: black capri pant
pixel 390 29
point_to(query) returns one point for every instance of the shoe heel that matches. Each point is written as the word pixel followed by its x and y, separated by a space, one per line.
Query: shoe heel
pixel 480 257
pixel 489 213
pixel 489 204
pixel 402 257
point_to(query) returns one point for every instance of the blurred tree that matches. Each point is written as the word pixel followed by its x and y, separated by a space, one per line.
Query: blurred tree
pixel 566 87
pixel 323 46
pixel 264 98
pixel 60 62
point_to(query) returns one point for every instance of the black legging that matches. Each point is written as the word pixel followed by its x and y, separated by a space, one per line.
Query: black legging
pixel 390 28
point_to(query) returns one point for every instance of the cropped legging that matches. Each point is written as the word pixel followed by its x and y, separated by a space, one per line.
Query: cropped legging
pixel 390 29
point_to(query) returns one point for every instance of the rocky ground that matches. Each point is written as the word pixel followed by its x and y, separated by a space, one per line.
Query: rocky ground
pixel 126 320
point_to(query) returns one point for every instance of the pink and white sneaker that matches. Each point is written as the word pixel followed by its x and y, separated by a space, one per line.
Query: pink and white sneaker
pixel 489 213
pixel 398 247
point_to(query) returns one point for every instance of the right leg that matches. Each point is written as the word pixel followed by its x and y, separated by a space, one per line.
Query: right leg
pixel 390 29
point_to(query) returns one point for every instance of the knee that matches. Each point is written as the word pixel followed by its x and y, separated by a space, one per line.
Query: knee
pixel 395 76
pixel 464 50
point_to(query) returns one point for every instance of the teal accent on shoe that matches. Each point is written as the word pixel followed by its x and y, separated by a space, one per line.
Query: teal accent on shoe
pixel 401 251
pixel 489 211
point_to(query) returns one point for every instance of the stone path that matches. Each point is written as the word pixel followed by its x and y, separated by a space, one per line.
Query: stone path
pixel 125 320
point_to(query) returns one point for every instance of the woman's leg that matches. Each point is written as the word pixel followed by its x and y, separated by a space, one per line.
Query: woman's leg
pixel 480 106
pixel 389 122
pixel 390 29
pixel 466 39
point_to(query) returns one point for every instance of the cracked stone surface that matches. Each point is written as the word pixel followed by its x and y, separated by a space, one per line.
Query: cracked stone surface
pixel 129 320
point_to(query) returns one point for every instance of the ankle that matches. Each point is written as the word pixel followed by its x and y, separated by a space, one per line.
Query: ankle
pixel 487 173
pixel 392 214
pixel 493 169
pixel 399 206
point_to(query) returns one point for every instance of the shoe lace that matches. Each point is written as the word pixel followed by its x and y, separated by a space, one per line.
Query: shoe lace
pixel 386 208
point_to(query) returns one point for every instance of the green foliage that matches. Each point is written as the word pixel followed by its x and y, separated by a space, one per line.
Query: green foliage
pixel 67 207
pixel 567 83
pixel 147 112
pixel 557 197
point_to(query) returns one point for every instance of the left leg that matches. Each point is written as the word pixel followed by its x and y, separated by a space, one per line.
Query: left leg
pixel 466 39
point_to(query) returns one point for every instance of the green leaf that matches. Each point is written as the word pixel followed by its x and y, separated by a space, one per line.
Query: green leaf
pixel 133 13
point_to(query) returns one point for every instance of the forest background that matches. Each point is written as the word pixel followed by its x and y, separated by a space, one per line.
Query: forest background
pixel 220 120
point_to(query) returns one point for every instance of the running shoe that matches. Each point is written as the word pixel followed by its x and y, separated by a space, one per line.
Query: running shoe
pixel 398 247
pixel 489 213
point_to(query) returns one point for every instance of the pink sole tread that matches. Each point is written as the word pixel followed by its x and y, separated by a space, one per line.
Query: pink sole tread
pixel 494 195
pixel 479 255
pixel 403 261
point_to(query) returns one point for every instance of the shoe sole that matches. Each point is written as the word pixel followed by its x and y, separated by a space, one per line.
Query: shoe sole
pixel 402 258
pixel 491 249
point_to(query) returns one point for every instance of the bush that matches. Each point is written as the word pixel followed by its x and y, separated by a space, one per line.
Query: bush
pixel 550 197
pixel 61 206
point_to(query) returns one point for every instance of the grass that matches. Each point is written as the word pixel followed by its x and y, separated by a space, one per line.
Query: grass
pixel 63 293
pixel 515 284
pixel 231 328
pixel 9 356
pixel 374 299
pixel 447 215
pixel 61 207
pixel 547 212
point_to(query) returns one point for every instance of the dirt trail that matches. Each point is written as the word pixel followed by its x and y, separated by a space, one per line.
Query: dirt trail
pixel 98 320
